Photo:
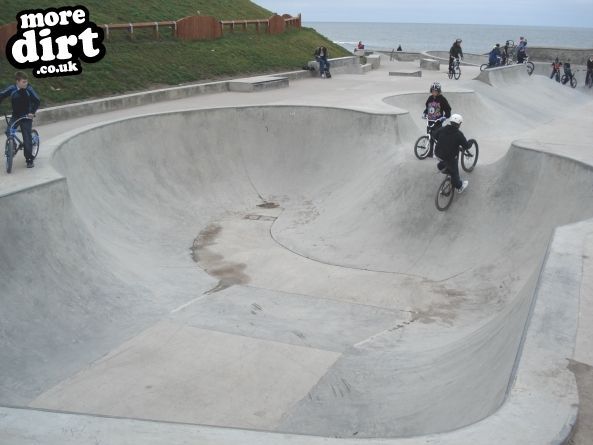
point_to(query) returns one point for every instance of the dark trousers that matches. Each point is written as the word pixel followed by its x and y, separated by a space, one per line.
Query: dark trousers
pixel 451 166
pixel 26 126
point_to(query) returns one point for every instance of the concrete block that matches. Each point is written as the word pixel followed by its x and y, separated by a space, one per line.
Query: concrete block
pixel 367 67
pixel 374 60
pixel 429 64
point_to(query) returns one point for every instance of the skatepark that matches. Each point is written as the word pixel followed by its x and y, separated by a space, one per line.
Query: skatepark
pixel 270 267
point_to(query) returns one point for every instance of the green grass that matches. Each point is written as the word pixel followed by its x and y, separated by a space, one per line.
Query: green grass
pixel 147 63
pixel 117 11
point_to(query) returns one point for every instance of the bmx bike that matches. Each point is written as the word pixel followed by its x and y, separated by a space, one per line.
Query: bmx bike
pixel 446 190
pixel 14 143
pixel 424 144
pixel 455 70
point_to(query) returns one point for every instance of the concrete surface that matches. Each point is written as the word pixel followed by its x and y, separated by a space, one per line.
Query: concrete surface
pixel 270 268
pixel 430 64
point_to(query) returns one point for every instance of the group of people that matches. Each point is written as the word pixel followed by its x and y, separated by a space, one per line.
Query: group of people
pixel 25 102
pixel 565 66
pixel 449 139
pixel 500 55
pixel 556 66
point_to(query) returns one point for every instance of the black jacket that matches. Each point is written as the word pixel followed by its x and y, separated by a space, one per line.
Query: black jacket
pixel 450 140
pixel 456 51
pixel 437 107
pixel 589 64
pixel 24 101
pixel 321 52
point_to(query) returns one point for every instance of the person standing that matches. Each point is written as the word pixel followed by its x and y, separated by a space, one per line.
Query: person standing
pixel 521 50
pixel 25 103
pixel 589 77
pixel 556 64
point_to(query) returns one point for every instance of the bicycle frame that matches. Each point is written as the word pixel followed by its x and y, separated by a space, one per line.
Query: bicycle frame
pixel 11 131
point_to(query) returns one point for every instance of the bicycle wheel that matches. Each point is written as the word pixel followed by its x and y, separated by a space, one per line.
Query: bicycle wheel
pixel 469 157
pixel 422 147
pixel 483 66
pixel 457 73
pixel 9 150
pixel 573 82
pixel 564 79
pixel 445 194
pixel 530 67
pixel 35 146
pixel 450 74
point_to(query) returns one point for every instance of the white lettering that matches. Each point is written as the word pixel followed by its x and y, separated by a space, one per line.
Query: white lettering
pixel 31 20
pixel 51 18
pixel 87 37
pixel 63 43
pixel 25 50
pixel 64 17
pixel 79 16
pixel 46 46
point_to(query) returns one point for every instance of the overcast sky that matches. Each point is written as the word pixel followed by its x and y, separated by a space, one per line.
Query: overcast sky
pixel 502 12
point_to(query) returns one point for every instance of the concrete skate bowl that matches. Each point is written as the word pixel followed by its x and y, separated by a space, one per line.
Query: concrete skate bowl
pixel 274 268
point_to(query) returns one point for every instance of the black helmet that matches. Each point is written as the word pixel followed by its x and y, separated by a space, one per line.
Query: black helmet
pixel 435 87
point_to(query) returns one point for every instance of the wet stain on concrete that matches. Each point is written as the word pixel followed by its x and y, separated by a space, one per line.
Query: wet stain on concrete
pixel 268 205
pixel 227 272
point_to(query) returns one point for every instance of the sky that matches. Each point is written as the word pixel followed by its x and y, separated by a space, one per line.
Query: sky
pixel 570 13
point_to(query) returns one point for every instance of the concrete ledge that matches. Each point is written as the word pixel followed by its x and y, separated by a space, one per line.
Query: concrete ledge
pixel 252 84
pixel 374 60
pixel 430 64
pixel 87 108
pixel 406 73
pixel 402 56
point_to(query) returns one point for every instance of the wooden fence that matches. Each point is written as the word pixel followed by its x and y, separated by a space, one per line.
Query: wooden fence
pixel 188 28
pixel 6 32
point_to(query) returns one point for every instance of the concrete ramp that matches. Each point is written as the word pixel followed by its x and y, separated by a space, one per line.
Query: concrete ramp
pixel 284 269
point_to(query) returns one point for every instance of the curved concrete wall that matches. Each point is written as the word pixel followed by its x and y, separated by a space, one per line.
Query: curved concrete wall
pixel 138 192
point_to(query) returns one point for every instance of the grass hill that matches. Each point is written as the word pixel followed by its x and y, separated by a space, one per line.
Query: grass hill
pixel 146 62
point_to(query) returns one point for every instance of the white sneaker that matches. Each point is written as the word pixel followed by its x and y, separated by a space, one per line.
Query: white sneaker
pixel 464 185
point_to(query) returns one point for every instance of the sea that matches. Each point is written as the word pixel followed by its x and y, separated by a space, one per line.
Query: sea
pixel 477 39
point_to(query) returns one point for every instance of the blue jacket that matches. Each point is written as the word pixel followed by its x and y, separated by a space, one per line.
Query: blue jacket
pixel 24 101
pixel 494 55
